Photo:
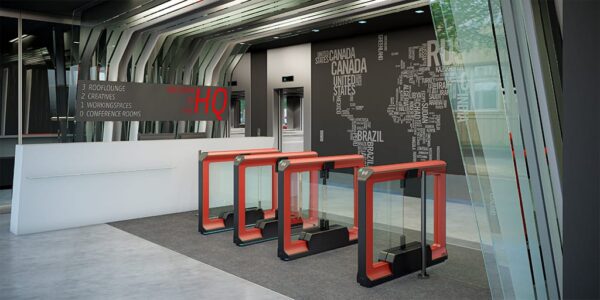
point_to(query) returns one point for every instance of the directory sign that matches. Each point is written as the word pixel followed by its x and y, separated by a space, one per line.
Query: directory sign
pixel 132 101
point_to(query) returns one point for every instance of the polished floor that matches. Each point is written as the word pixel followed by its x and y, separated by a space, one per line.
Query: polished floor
pixel 103 262
pixel 5 200
pixel 327 275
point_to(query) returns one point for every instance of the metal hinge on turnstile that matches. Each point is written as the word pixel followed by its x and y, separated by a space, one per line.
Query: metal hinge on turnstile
pixel 324 173
pixel 412 173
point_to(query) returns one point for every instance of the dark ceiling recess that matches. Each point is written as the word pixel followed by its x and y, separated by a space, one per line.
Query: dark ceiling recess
pixel 62 8
pixel 395 21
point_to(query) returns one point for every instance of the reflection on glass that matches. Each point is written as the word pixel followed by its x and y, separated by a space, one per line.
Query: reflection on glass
pixel 47 80
pixel 258 187
pixel 316 199
pixel 238 109
pixel 336 197
pixel 292 113
pixel 472 44
pixel 388 218
pixel 47 105
pixel 221 188
pixel 8 76
pixel 242 118
pixel 290 102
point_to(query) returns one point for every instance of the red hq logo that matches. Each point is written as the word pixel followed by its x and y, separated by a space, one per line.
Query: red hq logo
pixel 206 98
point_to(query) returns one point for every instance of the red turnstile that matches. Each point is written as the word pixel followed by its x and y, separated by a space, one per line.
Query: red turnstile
pixel 224 221
pixel 266 228
pixel 403 259
pixel 320 237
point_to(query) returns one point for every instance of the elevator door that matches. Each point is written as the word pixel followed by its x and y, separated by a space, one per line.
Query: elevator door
pixel 290 133
pixel 237 118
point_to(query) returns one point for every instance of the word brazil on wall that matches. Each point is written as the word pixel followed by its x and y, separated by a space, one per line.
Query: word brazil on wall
pixel 131 101
pixel 383 96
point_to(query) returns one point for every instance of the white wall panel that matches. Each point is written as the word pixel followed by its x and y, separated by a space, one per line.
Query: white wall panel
pixel 59 186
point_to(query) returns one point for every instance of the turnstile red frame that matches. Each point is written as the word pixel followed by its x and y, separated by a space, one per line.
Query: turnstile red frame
pixel 286 248
pixel 243 235
pixel 369 273
pixel 207 225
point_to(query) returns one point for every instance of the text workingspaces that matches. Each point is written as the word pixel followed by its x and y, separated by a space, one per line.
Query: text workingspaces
pixel 132 101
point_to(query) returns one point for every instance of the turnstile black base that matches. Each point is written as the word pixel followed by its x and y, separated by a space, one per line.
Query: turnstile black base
pixel 269 231
pixel 404 260
pixel 320 240
pixel 253 215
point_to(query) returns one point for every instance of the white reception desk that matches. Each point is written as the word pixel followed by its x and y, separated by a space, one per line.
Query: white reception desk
pixel 58 186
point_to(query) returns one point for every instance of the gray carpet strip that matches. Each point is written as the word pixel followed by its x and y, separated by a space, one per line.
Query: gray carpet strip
pixel 328 275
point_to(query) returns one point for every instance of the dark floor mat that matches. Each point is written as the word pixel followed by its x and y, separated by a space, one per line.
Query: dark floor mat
pixel 329 275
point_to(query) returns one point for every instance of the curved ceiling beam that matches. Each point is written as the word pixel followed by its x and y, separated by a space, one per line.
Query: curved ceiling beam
pixel 223 26
pixel 165 11
pixel 356 9
pixel 140 68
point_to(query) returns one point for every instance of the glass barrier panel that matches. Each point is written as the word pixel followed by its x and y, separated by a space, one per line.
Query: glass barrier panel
pixel 429 189
pixel 259 187
pixel 303 188
pixel 389 218
pixel 313 199
pixel 336 197
pixel 220 187
pixel 300 208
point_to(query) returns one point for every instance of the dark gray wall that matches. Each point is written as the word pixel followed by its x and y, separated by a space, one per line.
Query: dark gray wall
pixel 389 105
pixel 258 112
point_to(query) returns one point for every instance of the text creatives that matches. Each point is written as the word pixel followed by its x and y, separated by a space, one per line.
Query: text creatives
pixel 131 101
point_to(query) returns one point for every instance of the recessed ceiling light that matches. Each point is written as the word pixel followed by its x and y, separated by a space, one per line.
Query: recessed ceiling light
pixel 17 38
pixel 315 30
pixel 242 43
pixel 419 11
pixel 362 22
pixel 275 37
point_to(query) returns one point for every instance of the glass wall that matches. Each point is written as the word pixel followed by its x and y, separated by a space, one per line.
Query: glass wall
pixel 47 83
pixel 8 104
pixel 48 80
pixel 8 76
pixel 493 126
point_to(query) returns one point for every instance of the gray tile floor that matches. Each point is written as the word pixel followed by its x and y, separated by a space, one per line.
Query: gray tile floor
pixel 5 200
pixel 102 262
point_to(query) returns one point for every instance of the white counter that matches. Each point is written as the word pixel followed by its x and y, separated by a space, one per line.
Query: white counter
pixel 59 186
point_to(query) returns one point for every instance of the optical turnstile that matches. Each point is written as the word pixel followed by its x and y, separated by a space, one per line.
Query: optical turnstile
pixel 402 259
pixel 266 228
pixel 224 220
pixel 317 235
